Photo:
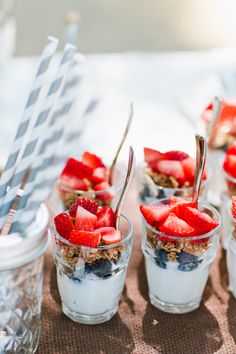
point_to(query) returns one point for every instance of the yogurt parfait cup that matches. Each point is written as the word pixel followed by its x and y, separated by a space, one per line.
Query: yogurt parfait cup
pixel 21 282
pixel 231 258
pixel 177 267
pixel 91 279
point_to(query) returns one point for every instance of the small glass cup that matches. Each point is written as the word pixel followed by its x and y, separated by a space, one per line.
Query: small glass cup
pixel 231 257
pixel 106 197
pixel 230 183
pixel 177 268
pixel 91 280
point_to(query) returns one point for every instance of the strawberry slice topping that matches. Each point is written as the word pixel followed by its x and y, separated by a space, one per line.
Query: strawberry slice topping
pixel 87 204
pixel 85 220
pixel 99 175
pixel 234 206
pixel 175 226
pixel 200 221
pixel 85 238
pixel 189 166
pixel 105 217
pixel 92 160
pixel 77 169
pixel 109 235
pixel 176 155
pixel 63 225
pixel 171 168
pixel 72 182
pixel 151 157
pixel 155 214
pixel 230 165
pixel 103 194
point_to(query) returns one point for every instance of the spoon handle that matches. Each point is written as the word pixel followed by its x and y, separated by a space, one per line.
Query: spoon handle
pixel 201 151
pixel 217 108
pixel 126 187
pixel 130 118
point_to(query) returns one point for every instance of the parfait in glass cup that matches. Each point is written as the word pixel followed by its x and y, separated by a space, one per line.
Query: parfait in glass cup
pixel 231 247
pixel 91 258
pixel 88 177
pixel 167 174
pixel 179 243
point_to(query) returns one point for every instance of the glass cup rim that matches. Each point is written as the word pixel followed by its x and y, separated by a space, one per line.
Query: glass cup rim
pixel 179 189
pixel 183 238
pixel 110 189
pixel 129 236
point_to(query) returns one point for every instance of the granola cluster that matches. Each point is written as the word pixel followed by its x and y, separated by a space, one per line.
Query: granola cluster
pixel 223 136
pixel 68 198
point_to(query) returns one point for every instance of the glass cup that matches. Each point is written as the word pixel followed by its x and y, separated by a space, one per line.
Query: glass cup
pixel 91 280
pixel 106 197
pixel 21 282
pixel 177 268
pixel 230 183
pixel 215 159
pixel 231 257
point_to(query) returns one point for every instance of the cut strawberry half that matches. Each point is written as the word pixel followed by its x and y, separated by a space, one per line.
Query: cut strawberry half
pixel 200 221
pixel 72 182
pixel 63 225
pixel 85 220
pixel 103 194
pixel 105 217
pixel 109 235
pixel 87 204
pixel 92 160
pixel 234 207
pixel 176 155
pixel 230 165
pixel 231 150
pixel 171 168
pixel 175 226
pixel 151 157
pixel 189 166
pixel 179 204
pixel 99 175
pixel 155 214
pixel 85 238
pixel 77 169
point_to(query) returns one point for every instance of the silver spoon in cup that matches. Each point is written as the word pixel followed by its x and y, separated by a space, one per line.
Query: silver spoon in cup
pixel 201 151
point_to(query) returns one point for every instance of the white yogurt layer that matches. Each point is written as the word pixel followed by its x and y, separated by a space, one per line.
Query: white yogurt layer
pixel 217 183
pixel 174 286
pixel 231 265
pixel 91 295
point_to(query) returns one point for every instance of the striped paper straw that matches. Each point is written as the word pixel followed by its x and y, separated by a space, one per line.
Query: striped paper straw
pixel 29 115
pixel 32 147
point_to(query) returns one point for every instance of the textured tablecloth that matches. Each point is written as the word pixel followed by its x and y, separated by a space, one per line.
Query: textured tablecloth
pixel 209 329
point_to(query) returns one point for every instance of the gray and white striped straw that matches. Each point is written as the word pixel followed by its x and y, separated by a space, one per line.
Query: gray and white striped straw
pixel 29 115
pixel 32 148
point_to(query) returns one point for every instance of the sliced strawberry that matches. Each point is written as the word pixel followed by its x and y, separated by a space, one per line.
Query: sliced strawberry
pixel 175 200
pixel 234 206
pixel 171 168
pixel 99 175
pixel 151 157
pixel 231 150
pixel 175 226
pixel 103 194
pixel 85 238
pixel 105 217
pixel 87 204
pixel 109 235
pixel 179 204
pixel 92 160
pixel 71 182
pixel 85 220
pixel 63 225
pixel 155 214
pixel 189 166
pixel 200 221
pixel 176 155
pixel 230 165
pixel 77 169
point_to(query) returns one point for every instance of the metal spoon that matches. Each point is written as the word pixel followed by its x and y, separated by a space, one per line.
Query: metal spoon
pixel 130 118
pixel 217 108
pixel 126 187
pixel 201 151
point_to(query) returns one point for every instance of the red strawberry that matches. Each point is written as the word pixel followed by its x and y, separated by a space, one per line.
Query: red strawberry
pixel 171 168
pixel 155 214
pixel 71 182
pixel 63 225
pixel 179 204
pixel 77 168
pixel 109 235
pixel 230 165
pixel 105 217
pixel 176 155
pixel 199 220
pixel 189 166
pixel 234 206
pixel 85 220
pixel 151 157
pixel 92 160
pixel 231 150
pixel 85 238
pixel 87 204
pixel 102 193
pixel 99 175
pixel 174 226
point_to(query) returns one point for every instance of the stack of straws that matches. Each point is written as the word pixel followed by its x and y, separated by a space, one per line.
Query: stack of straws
pixel 32 166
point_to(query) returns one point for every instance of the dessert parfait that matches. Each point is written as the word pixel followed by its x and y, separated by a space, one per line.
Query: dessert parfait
pixel 231 249
pixel 179 243
pixel 91 257
pixel 88 177
pixel 167 174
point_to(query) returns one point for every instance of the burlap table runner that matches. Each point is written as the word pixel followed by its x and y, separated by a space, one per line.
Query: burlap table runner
pixel 210 329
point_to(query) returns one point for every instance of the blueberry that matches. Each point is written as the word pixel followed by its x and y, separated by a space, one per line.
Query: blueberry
pixel 144 193
pixel 161 258
pixel 187 262
pixel 101 268
pixel 76 280
pixel 161 194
